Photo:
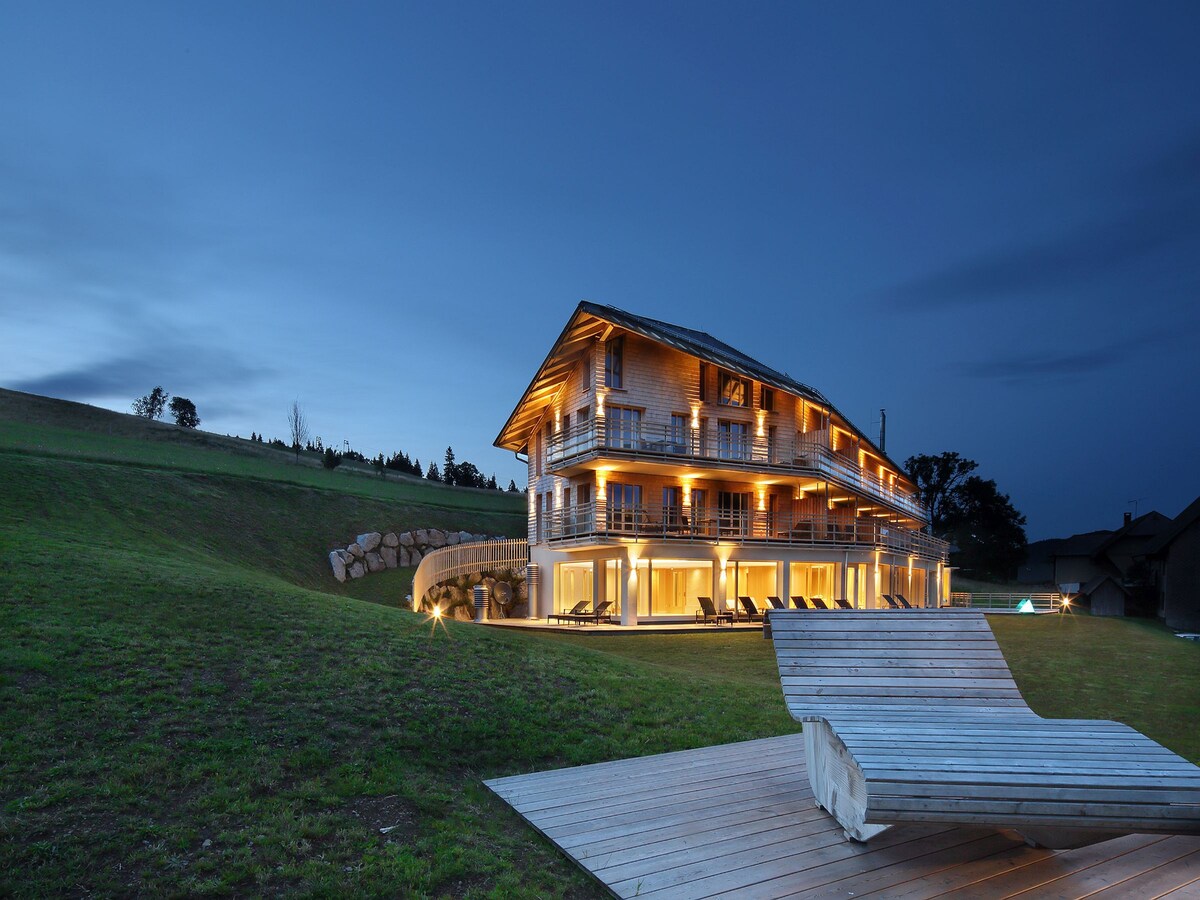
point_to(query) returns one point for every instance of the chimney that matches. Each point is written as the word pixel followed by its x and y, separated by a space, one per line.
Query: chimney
pixel 1128 517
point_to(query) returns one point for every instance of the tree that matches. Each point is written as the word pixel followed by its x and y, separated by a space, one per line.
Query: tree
pixel 331 458
pixel 986 528
pixel 298 426
pixel 433 474
pixel 512 487
pixel 152 405
pixel 492 486
pixel 379 465
pixel 937 478
pixel 449 469
pixel 184 411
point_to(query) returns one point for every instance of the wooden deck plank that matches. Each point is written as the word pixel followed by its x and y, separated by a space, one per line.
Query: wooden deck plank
pixel 760 835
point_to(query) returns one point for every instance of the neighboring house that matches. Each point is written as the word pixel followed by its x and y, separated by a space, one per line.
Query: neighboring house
pixel 1084 558
pixel 1174 560
pixel 1105 596
pixel 664 465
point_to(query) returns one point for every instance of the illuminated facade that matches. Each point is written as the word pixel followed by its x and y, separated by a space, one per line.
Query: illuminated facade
pixel 664 465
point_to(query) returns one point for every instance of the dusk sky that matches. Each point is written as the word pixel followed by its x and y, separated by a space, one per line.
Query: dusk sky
pixel 983 217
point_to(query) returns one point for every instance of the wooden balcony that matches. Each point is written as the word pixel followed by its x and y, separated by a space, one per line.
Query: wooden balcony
pixel 585 523
pixel 639 441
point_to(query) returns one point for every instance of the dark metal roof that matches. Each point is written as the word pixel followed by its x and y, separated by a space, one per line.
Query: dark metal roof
pixel 1176 527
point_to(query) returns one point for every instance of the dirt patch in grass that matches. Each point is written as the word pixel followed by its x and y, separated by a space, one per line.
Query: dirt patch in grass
pixel 392 812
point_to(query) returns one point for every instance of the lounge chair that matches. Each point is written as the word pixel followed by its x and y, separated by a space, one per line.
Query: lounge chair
pixel 843 603
pixel 799 602
pixel 917 719
pixel 818 603
pixel 708 612
pixel 575 610
pixel 753 613
pixel 591 617
pixel 892 604
pixel 900 599
pixel 776 603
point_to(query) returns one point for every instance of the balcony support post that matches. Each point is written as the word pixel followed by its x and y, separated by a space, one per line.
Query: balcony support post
pixel 628 597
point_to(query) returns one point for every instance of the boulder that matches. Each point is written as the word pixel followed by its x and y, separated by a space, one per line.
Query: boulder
pixel 389 556
pixel 421 537
pixel 451 538
pixel 375 562
pixel 406 539
pixel 337 564
pixel 414 556
pixel 356 570
pixel 465 537
pixel 437 538
pixel 356 551
pixel 370 540
pixel 390 540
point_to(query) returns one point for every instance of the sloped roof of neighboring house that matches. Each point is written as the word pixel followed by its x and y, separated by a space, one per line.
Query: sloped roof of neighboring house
pixel 1087 589
pixel 592 320
pixel 1144 526
pixel 1085 544
pixel 1176 527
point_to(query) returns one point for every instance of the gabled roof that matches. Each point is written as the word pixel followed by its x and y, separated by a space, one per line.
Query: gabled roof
pixel 1144 526
pixel 1090 588
pixel 592 320
pixel 1178 525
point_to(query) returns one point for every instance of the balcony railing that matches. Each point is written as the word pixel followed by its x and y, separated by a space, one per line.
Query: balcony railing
pixel 640 440
pixel 712 524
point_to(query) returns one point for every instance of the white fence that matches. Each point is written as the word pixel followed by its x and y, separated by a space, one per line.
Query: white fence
pixel 462 559
pixel 1043 602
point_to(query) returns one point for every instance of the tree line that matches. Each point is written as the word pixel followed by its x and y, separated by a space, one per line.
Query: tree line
pixel 155 403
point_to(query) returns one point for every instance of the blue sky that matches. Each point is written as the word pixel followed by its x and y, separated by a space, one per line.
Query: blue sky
pixel 985 218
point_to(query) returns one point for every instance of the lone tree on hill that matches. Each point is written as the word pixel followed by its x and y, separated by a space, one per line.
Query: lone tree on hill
pixel 152 405
pixel 184 411
pixel 937 478
pixel 331 458
pixel 450 468
pixel 432 474
pixel 298 426
pixel 512 486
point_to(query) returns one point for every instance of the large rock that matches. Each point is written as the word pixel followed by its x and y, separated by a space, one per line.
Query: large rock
pixel 421 538
pixel 375 562
pixel 356 551
pixel 437 538
pixel 390 540
pixel 356 570
pixel 337 564
pixel 414 556
pixel 451 538
pixel 389 556
pixel 370 540
pixel 465 537
pixel 406 539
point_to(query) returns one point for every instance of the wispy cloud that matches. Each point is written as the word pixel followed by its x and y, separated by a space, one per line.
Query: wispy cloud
pixel 1167 216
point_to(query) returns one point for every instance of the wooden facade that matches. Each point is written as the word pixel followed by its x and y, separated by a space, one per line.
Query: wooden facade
pixel 651 442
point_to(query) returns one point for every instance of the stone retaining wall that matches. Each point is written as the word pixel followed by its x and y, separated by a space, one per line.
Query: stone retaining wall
pixel 375 552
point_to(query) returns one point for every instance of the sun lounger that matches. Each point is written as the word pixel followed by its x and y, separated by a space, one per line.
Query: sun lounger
pixel 776 603
pixel 915 718
pixel 843 603
pixel 591 617
pixel 817 603
pixel 575 610
pixel 753 613
pixel 904 603
pixel 708 612
pixel 890 601
pixel 799 602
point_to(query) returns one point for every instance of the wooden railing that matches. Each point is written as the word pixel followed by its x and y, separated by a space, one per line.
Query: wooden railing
pixel 463 559
pixel 643 440
pixel 998 600
pixel 708 524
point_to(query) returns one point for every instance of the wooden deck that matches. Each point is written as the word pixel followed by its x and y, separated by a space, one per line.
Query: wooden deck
pixel 739 820
pixel 642 628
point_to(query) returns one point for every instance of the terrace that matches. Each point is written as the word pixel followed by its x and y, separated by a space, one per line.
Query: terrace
pixel 807 455
pixel 588 523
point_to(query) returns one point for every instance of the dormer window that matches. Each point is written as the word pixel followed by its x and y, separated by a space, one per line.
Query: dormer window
pixel 614 363
pixel 766 400
pixel 733 390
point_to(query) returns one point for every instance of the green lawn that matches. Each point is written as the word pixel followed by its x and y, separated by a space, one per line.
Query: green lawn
pixel 189 704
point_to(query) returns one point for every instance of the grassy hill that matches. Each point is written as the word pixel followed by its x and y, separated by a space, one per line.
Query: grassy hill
pixel 189 704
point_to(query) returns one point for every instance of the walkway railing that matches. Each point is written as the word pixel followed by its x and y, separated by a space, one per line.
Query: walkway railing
pixel 997 600
pixel 709 524
pixel 462 559
pixel 810 454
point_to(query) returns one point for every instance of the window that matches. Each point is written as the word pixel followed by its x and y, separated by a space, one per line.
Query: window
pixel 766 399
pixel 623 503
pixel 678 438
pixel 733 513
pixel 703 382
pixel 672 510
pixel 732 440
pixel 624 427
pixel 701 517
pixel 614 363
pixel 732 390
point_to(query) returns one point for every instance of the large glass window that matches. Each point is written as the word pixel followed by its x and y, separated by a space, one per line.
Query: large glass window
pixel 732 390
pixel 624 501
pixel 701 515
pixel 813 580
pixel 678 437
pixel 572 583
pixel 614 363
pixel 624 427
pixel 669 587
pixel 732 440
pixel 733 513
pixel 756 580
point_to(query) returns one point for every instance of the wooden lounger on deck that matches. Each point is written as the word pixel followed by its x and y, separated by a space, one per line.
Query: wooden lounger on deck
pixel 915 717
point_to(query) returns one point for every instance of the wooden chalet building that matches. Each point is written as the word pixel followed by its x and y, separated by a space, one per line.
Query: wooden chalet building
pixel 664 465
